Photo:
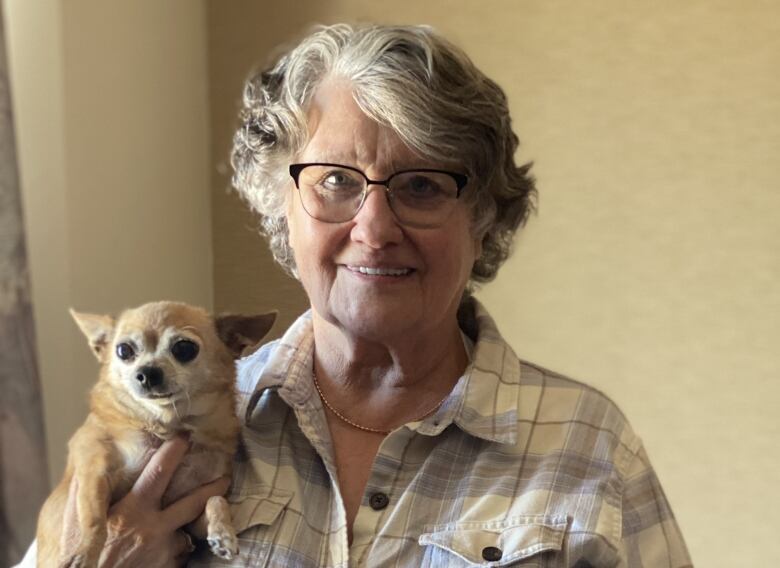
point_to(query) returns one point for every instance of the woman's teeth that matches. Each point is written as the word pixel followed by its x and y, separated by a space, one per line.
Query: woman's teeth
pixel 381 271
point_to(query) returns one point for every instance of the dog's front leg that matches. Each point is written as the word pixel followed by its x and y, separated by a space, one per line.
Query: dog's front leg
pixel 92 500
pixel 216 526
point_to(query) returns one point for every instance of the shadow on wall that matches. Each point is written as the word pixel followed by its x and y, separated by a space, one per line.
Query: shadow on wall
pixel 24 476
pixel 246 278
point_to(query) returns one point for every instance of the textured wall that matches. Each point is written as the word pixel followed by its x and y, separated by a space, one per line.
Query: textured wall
pixel 651 270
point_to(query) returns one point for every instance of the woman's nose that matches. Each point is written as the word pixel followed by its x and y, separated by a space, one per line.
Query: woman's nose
pixel 375 224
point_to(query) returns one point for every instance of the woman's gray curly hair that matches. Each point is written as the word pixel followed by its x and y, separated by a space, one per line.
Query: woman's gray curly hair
pixel 407 78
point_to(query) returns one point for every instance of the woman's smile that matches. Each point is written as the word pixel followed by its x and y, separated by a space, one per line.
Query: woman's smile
pixel 380 271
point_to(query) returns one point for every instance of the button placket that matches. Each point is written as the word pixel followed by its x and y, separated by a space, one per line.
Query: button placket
pixel 383 480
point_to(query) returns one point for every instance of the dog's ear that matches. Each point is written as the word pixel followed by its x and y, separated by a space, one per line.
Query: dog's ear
pixel 242 332
pixel 98 330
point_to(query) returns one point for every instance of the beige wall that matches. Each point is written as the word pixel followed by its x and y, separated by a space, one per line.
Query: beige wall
pixel 651 270
pixel 111 113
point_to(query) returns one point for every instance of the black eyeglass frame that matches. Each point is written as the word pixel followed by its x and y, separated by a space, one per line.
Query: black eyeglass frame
pixel 461 180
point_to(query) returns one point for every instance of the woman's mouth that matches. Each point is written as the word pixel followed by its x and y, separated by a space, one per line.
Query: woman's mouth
pixel 380 271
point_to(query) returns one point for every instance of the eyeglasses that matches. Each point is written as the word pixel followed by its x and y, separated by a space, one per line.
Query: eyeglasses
pixel 419 198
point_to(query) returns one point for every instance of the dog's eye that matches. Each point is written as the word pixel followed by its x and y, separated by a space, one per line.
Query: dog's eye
pixel 184 350
pixel 125 351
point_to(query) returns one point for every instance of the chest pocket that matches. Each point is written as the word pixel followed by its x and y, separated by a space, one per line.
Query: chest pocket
pixel 255 513
pixel 260 507
pixel 517 541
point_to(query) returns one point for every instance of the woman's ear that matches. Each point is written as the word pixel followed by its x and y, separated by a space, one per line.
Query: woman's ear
pixel 478 247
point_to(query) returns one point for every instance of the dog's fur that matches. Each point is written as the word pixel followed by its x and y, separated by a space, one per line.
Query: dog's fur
pixel 130 417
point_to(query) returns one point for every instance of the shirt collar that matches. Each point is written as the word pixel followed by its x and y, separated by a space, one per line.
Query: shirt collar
pixel 483 403
pixel 485 399
pixel 289 362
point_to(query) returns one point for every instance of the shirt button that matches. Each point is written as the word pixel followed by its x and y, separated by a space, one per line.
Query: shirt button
pixel 378 501
pixel 491 553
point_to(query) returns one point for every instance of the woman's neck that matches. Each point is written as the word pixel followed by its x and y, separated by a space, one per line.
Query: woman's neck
pixel 387 382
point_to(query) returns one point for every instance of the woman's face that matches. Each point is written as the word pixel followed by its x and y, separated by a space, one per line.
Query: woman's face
pixel 328 255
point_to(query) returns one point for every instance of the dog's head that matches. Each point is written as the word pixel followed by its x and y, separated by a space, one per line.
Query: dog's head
pixel 164 352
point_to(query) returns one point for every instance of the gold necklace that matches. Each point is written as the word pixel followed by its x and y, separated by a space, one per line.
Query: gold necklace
pixel 359 426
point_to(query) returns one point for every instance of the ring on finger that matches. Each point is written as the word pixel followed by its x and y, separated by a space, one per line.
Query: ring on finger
pixel 189 546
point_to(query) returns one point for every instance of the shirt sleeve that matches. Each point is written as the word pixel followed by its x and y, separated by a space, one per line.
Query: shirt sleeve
pixel 650 534
pixel 30 559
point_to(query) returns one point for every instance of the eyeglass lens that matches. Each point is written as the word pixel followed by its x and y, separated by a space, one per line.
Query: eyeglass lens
pixel 335 194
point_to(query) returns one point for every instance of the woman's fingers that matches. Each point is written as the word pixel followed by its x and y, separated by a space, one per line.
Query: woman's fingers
pixel 190 507
pixel 139 533
pixel 153 481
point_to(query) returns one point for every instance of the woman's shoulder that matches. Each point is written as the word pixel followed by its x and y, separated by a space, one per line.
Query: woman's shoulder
pixel 549 400
pixel 559 387
pixel 557 411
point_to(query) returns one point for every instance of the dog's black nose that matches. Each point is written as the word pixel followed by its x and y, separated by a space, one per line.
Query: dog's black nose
pixel 150 377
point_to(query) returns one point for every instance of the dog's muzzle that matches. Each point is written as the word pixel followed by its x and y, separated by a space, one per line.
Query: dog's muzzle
pixel 150 377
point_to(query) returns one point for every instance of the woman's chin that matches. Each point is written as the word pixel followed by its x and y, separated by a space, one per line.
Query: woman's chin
pixel 379 322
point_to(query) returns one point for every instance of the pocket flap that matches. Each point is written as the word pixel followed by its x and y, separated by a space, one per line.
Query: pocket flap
pixel 515 538
pixel 259 506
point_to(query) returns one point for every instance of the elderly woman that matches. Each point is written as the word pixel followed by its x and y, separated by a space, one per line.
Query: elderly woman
pixel 392 425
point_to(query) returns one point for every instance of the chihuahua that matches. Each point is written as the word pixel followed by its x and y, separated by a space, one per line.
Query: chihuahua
pixel 166 368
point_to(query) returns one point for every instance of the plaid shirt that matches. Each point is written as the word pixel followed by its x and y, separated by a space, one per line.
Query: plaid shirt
pixel 519 466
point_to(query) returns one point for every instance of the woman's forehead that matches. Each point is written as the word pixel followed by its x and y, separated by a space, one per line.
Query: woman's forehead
pixel 341 133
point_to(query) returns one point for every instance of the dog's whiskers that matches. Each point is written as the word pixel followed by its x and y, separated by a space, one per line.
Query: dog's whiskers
pixel 189 400
pixel 179 415
pixel 176 410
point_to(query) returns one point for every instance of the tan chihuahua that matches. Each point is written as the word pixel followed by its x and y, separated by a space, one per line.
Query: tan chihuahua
pixel 166 368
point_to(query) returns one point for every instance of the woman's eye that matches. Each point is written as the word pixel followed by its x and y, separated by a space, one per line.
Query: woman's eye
pixel 422 187
pixel 125 351
pixel 339 181
pixel 184 350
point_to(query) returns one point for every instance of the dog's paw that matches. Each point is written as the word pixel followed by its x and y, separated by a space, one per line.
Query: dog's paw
pixel 223 542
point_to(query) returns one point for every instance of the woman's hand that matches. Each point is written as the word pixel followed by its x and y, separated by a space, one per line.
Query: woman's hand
pixel 140 533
